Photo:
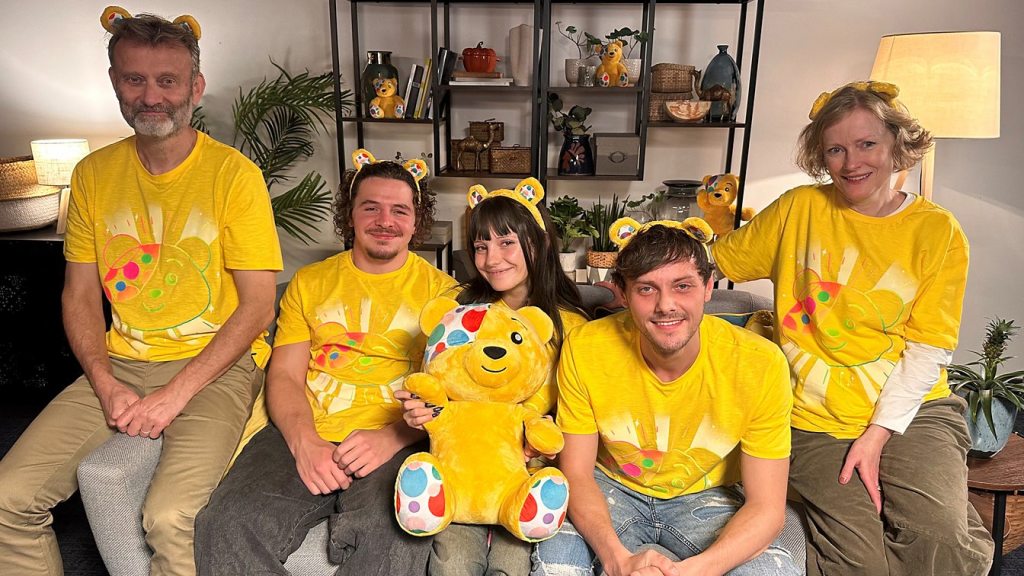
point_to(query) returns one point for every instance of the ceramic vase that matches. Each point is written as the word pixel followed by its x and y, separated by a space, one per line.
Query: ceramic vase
pixel 984 444
pixel 576 157
pixel 722 72
pixel 633 68
pixel 378 65
pixel 572 66
pixel 520 48
pixel 568 262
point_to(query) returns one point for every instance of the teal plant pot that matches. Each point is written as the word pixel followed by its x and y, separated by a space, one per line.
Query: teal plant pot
pixel 983 443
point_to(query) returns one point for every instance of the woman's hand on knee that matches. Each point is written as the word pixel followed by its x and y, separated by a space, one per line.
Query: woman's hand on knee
pixel 865 455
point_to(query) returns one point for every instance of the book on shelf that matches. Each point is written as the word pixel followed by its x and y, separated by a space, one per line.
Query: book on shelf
pixel 468 74
pixel 425 87
pixel 446 61
pixel 415 85
pixel 481 82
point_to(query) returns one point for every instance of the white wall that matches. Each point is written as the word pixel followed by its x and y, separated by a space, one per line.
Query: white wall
pixel 55 85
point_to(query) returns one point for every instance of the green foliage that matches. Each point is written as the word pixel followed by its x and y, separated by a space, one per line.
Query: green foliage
pixel 571 123
pixel 600 217
pixel 275 123
pixel 980 387
pixel 566 214
pixel 630 39
pixel 199 120
pixel 576 37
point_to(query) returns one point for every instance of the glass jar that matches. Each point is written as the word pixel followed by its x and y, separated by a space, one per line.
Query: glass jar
pixel 378 65
pixel 676 200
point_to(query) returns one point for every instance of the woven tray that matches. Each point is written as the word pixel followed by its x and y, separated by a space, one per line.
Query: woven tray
pixel 29 213
pixel 601 259
pixel 509 160
pixel 656 108
pixel 667 77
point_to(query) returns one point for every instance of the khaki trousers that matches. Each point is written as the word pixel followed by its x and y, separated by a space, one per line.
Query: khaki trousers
pixel 927 526
pixel 40 469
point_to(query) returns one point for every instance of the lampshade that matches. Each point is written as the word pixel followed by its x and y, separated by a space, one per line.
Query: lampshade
pixel 55 159
pixel 949 81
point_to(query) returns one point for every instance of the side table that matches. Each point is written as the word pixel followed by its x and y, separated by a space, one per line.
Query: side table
pixel 1000 475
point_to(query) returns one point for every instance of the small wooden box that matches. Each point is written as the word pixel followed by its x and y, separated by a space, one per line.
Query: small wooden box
pixel 618 154
pixel 481 131
pixel 468 160
pixel 510 159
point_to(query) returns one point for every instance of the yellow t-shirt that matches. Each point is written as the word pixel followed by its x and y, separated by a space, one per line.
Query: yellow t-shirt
pixel 544 400
pixel 165 245
pixel 364 337
pixel 665 439
pixel 850 290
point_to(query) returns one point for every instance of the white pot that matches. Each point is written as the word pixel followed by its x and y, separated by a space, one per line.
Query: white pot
pixel 595 275
pixel 572 66
pixel 633 68
pixel 568 261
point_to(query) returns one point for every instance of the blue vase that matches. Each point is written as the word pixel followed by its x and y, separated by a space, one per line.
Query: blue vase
pixel 984 444
pixel 576 157
pixel 721 84
pixel 378 65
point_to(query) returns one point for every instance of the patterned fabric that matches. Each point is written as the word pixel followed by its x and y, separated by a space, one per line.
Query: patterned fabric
pixel 164 244
pixel 850 291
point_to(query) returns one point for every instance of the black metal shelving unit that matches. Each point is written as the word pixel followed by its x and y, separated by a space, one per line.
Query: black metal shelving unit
pixel 445 96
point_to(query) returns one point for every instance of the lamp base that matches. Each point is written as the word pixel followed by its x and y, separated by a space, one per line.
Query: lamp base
pixel 62 210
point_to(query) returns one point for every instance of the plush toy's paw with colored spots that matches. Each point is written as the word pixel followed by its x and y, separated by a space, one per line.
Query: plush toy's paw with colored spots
pixel 623 79
pixel 376 111
pixel 421 505
pixel 542 511
pixel 604 79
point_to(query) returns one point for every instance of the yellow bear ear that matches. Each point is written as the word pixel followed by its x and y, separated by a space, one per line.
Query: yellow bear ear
pixel 189 23
pixel 112 14
pixel 418 168
pixel 698 229
pixel 622 231
pixel 434 312
pixel 362 157
pixel 539 321
pixel 477 194
pixel 530 191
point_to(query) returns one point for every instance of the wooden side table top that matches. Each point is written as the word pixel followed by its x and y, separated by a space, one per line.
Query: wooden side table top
pixel 1004 472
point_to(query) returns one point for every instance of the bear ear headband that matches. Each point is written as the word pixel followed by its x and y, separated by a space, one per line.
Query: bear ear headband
pixel 416 167
pixel 623 230
pixel 528 193
pixel 884 90
pixel 114 13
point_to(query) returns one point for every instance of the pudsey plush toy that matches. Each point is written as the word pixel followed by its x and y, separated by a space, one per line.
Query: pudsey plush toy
pixel 612 72
pixel 715 197
pixel 387 104
pixel 482 361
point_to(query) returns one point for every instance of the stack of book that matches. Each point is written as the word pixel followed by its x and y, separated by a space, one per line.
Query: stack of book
pixel 464 78
pixel 417 91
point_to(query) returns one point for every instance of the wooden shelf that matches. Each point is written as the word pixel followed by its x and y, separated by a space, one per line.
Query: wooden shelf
pixel 447 172
pixel 553 175
pixel 697 124
pixel 631 90
pixel 364 120
pixel 491 89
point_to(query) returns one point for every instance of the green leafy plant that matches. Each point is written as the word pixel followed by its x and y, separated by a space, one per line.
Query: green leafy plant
pixel 979 387
pixel 600 217
pixel 567 216
pixel 275 123
pixel 570 123
pixel 578 37
pixel 630 39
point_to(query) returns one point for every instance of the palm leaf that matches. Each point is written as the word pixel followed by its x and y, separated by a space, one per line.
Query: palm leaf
pixel 298 210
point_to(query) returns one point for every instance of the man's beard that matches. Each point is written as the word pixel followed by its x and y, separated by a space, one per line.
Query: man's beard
pixel 162 127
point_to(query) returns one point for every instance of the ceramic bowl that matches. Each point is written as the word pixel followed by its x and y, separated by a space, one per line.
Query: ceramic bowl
pixel 687 110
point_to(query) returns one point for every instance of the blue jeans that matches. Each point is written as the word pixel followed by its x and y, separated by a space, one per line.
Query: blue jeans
pixel 684 526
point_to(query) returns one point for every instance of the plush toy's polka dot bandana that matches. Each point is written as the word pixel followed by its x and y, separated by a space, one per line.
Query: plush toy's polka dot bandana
pixel 458 327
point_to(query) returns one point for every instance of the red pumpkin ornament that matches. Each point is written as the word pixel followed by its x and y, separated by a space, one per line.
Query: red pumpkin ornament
pixel 479 59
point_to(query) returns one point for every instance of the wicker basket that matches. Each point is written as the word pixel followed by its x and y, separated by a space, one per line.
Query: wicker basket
pixel 601 259
pixel 656 108
pixel 667 77
pixel 480 131
pixel 24 204
pixel 509 160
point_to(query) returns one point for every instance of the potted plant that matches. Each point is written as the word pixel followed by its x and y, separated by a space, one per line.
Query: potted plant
pixel 567 216
pixel 579 39
pixel 576 156
pixel 630 39
pixel 602 252
pixel 997 396
pixel 276 124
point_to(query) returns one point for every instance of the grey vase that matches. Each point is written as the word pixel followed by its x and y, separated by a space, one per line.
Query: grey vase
pixel 721 84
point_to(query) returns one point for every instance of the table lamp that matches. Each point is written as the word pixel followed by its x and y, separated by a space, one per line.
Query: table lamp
pixel 54 160
pixel 949 81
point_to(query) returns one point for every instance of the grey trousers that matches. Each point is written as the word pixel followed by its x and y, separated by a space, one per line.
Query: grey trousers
pixel 262 511
pixel 470 550
pixel 927 526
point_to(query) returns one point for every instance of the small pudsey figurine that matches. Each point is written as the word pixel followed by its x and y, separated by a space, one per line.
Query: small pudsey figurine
pixel 387 104
pixel 481 362
pixel 716 197
pixel 612 72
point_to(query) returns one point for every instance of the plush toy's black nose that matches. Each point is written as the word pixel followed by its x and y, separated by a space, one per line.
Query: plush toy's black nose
pixel 494 352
